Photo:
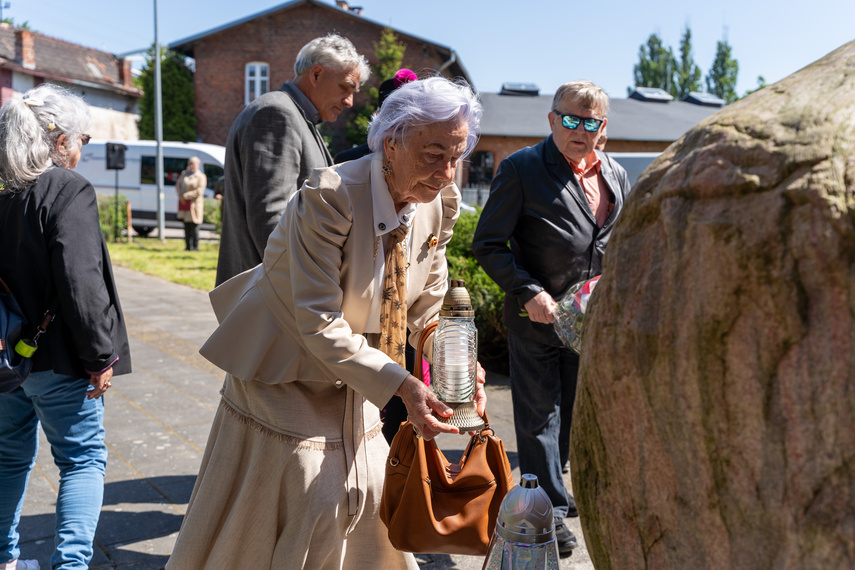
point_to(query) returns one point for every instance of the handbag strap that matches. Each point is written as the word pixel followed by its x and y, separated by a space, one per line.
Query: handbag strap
pixel 426 332
pixel 50 312
pixel 47 318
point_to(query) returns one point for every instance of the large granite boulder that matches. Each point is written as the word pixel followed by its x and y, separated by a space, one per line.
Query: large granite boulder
pixel 715 419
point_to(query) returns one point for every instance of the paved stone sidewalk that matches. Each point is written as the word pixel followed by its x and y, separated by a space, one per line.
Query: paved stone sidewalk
pixel 157 422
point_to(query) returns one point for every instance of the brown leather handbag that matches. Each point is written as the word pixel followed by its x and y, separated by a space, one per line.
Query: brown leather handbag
pixel 431 505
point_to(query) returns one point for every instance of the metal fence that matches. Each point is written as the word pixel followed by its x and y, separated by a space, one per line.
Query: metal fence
pixel 476 195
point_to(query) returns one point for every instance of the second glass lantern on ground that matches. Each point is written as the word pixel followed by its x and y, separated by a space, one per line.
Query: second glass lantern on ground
pixel 455 349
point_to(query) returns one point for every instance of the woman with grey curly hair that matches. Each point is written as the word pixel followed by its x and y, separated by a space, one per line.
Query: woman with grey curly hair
pixel 47 125
pixel 312 341
pixel 55 260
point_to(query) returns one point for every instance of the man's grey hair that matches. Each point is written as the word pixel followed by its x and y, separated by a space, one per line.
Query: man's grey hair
pixel 30 128
pixel 584 93
pixel 334 52
pixel 424 102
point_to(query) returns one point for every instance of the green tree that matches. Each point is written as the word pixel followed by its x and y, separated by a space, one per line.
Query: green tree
pixel 761 83
pixel 390 53
pixel 721 80
pixel 11 22
pixel 176 80
pixel 688 73
pixel 656 66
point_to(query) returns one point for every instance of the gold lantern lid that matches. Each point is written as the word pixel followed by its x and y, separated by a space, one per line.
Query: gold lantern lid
pixel 456 302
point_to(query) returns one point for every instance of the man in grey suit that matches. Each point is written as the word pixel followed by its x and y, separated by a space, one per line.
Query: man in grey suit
pixel 274 145
pixel 544 228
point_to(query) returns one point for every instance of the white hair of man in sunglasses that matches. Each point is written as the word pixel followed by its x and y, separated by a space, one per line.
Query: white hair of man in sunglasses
pixel 585 94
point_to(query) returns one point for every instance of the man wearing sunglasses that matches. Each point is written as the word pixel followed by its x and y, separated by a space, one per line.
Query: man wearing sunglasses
pixel 544 228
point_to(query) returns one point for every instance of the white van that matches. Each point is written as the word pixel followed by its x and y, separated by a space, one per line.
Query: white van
pixel 634 162
pixel 137 181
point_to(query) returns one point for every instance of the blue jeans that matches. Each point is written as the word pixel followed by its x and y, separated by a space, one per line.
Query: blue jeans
pixel 74 427
pixel 543 388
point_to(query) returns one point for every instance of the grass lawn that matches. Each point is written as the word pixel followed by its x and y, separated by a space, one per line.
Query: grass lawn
pixel 168 260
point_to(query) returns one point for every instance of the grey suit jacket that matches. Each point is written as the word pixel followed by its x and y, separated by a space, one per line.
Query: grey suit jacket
pixel 271 149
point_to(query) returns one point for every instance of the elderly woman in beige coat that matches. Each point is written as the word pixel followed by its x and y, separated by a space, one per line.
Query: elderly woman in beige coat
pixel 311 340
pixel 191 201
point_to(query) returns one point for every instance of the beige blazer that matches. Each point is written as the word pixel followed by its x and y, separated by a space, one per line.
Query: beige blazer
pixel 299 315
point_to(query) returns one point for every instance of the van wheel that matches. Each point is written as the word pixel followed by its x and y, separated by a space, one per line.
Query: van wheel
pixel 143 231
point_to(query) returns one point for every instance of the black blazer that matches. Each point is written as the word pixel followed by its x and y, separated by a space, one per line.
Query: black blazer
pixel 53 249
pixel 537 231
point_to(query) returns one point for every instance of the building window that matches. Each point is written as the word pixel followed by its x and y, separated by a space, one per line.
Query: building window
pixel 172 168
pixel 478 177
pixel 257 80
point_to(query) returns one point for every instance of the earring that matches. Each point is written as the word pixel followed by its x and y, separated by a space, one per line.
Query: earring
pixel 387 168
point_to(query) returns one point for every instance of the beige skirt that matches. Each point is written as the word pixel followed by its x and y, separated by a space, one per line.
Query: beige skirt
pixel 262 501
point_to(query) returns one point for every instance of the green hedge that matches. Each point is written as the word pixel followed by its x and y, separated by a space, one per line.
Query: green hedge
pixel 214 213
pixel 487 297
pixel 107 215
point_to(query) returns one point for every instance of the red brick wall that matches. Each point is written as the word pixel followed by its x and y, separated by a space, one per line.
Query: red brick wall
pixel 6 91
pixel 636 146
pixel 275 39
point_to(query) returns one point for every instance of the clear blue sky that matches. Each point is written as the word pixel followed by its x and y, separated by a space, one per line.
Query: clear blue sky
pixel 546 42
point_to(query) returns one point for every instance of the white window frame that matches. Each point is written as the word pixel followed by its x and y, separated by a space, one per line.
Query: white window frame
pixel 257 79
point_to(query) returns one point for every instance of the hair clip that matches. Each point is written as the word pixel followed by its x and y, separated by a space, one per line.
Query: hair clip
pixel 33 102
pixel 51 126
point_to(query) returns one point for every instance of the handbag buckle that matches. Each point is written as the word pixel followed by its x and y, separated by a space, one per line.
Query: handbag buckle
pixel 394 462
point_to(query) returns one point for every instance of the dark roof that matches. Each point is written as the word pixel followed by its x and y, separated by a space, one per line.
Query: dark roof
pixel 631 120
pixel 67 62
pixel 186 45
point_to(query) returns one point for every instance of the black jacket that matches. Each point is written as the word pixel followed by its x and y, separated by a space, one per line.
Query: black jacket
pixel 53 249
pixel 537 231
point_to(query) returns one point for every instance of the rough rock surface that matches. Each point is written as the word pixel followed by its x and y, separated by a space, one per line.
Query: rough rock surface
pixel 715 420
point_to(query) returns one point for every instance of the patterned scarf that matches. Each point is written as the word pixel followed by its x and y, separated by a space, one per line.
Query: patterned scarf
pixel 393 311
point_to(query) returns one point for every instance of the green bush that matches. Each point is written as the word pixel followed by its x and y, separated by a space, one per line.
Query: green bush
pixel 214 213
pixel 107 215
pixel 487 297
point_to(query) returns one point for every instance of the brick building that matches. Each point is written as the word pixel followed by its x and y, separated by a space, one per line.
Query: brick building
pixel 242 59
pixel 28 59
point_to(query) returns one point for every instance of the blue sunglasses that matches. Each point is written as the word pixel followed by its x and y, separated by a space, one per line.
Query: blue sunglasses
pixel 572 121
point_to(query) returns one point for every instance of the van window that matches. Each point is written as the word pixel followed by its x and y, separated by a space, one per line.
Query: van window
pixel 214 172
pixel 172 168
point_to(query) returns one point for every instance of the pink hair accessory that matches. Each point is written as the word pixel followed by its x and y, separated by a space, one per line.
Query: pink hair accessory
pixel 404 76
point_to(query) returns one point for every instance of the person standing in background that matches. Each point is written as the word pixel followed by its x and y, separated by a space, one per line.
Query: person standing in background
pixel 274 145
pixel 544 228
pixel 191 201
pixel 55 259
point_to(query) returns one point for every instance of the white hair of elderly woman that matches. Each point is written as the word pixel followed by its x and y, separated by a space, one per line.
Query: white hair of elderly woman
pixel 331 51
pixel 30 128
pixel 424 102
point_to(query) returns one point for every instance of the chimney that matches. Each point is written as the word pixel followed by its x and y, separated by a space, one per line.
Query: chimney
pixel 125 75
pixel 24 52
pixel 348 8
